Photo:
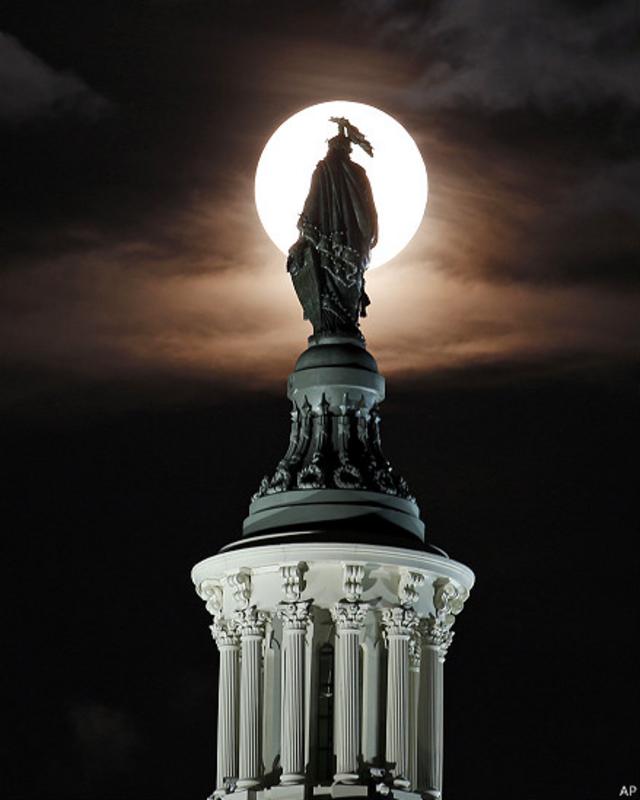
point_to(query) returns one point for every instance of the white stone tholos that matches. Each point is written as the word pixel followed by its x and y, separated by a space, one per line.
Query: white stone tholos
pixel 251 624
pixel 386 615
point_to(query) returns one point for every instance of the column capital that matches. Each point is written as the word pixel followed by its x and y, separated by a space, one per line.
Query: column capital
pixel 250 622
pixel 349 616
pixel 436 633
pixel 224 632
pixel 295 616
pixel 399 621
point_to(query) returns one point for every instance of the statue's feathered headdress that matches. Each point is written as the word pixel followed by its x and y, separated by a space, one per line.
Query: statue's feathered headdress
pixel 353 134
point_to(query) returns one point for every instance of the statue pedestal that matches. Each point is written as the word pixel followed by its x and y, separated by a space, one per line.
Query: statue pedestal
pixel 334 473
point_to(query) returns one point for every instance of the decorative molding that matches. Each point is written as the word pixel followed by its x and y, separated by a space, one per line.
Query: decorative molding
pixel 349 616
pixel 448 601
pixel 225 632
pixel 292 580
pixel 399 621
pixel 352 582
pixel 382 556
pixel 449 597
pixel 415 650
pixel 250 621
pixel 410 582
pixel 335 444
pixel 240 584
pixel 211 592
pixel 295 616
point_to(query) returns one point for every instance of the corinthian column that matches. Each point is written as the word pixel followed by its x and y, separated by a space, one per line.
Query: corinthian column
pixel 295 617
pixel 349 619
pixel 436 638
pixel 431 752
pixel 250 623
pixel 226 638
pixel 399 624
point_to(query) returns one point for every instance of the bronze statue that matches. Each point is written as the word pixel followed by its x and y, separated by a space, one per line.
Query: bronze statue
pixel 338 227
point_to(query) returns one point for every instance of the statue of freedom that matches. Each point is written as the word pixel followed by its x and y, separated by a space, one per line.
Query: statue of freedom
pixel 338 227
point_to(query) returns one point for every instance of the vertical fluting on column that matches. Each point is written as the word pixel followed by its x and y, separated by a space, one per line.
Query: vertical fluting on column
pixel 399 624
pixel 226 637
pixel 295 617
pixel 414 706
pixel 431 739
pixel 251 624
pixel 348 618
pixel 371 711
pixel 437 635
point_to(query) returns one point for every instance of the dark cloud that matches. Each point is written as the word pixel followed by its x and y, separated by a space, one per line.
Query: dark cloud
pixel 103 733
pixel 504 55
pixel 31 88
pixel 104 745
pixel 131 243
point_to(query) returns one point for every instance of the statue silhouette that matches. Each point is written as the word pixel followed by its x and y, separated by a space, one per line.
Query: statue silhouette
pixel 338 227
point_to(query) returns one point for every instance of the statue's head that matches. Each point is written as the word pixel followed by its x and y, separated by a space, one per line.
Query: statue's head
pixel 340 144
pixel 350 134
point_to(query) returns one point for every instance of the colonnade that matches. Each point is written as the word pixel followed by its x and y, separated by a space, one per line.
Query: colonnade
pixel 413 738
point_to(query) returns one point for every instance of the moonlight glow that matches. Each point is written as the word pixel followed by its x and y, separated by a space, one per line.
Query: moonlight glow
pixel 397 173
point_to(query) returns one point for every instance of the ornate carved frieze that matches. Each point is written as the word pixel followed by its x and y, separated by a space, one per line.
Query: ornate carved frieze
pixel 295 616
pixel 415 650
pixel 352 582
pixel 410 582
pixel 349 616
pixel 399 621
pixel 449 597
pixel 240 585
pixel 292 581
pixel 250 621
pixel 335 445
pixel 448 601
pixel 211 592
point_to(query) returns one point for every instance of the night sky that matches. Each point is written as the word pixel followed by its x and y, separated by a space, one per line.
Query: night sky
pixel 148 326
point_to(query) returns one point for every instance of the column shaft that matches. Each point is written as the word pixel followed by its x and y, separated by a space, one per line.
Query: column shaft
pixel 348 705
pixel 292 749
pixel 399 624
pixel 431 739
pixel 414 710
pixel 398 708
pixel 227 764
pixel 250 757
pixel 349 618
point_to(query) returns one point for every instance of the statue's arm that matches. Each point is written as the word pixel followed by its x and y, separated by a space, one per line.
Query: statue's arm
pixel 368 203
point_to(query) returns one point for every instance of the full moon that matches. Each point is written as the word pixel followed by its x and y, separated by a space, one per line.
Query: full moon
pixel 396 172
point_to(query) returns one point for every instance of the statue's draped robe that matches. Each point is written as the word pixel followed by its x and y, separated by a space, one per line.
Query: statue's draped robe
pixel 338 227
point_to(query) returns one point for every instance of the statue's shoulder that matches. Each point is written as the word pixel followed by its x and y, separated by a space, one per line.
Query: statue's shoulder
pixel 359 173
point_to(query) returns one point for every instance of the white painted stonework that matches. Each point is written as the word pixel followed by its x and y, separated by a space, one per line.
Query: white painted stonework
pixel 331 667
